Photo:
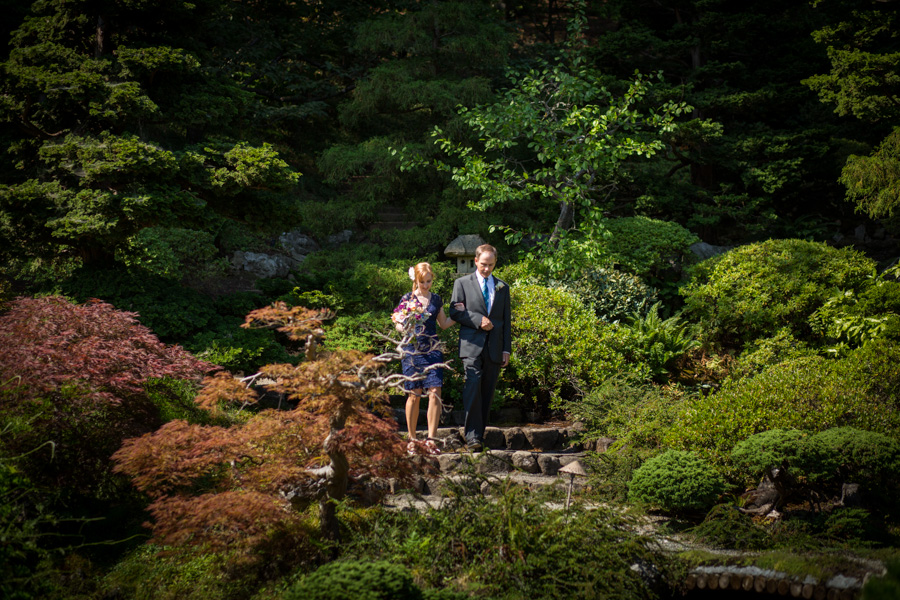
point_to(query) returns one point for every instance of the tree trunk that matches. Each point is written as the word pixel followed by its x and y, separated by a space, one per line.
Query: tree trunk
pixel 564 222
pixel 335 489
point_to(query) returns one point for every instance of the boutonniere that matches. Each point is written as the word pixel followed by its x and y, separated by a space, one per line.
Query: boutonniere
pixel 500 286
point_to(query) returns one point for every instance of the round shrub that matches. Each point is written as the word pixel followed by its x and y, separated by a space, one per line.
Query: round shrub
pixel 753 290
pixel 847 454
pixel 352 580
pixel 614 295
pixel 676 481
pixel 807 392
pixel 645 246
pixel 760 453
pixel 560 347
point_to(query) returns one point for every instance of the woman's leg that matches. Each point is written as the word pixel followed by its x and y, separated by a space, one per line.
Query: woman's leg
pixel 434 411
pixel 412 412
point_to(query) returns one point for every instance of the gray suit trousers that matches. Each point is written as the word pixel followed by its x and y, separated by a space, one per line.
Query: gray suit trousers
pixel 481 379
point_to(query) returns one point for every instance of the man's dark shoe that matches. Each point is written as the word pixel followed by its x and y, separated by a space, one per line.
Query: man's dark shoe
pixel 474 447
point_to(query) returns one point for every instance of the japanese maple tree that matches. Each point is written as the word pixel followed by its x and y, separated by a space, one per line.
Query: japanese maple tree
pixel 73 382
pixel 223 485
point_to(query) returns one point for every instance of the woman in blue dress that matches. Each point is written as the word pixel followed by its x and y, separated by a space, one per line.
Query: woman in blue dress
pixel 422 353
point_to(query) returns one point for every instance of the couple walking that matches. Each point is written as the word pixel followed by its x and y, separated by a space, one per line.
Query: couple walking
pixel 480 304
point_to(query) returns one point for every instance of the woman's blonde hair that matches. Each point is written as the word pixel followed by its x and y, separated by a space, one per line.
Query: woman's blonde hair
pixel 422 269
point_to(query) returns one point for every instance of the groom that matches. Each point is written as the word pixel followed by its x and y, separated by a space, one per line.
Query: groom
pixel 480 304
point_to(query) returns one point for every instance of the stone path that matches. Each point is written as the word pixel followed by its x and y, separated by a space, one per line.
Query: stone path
pixel 532 455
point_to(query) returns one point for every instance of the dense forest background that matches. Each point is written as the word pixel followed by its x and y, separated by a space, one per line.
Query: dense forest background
pixel 695 202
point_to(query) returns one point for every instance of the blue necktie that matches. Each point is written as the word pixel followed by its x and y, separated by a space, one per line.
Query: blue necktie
pixel 484 292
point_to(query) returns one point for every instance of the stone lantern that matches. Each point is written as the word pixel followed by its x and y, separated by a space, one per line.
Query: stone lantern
pixel 463 250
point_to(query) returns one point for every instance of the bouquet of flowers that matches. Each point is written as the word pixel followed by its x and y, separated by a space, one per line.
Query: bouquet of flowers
pixel 410 315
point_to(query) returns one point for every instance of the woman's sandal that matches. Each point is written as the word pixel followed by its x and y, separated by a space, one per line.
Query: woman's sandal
pixel 431 446
pixel 411 447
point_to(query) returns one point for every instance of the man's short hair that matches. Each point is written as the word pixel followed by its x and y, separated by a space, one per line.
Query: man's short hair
pixel 485 248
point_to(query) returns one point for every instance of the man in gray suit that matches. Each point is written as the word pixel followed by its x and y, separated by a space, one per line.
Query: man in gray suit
pixel 480 304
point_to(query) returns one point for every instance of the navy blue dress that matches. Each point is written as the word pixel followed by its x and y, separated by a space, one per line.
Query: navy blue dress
pixel 426 337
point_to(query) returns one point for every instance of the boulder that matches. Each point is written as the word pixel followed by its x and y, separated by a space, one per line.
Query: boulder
pixel 261 266
pixel 542 440
pixel 548 464
pixel 339 239
pixel 494 438
pixel 515 438
pixel 298 245
pixel 525 461
pixel 703 250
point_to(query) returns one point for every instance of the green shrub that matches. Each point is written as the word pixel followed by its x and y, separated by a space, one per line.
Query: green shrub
pixel 846 454
pixel 776 448
pixel 512 545
pixel 171 311
pixel 807 392
pixel 239 350
pixel 613 294
pixel 560 348
pixel 174 399
pixel 849 320
pixel 725 526
pixel 359 332
pixel 171 252
pixel 756 289
pixel 676 481
pixel 886 587
pixel 636 414
pixel 659 342
pixel 356 580
pixel 765 352
pixel 647 247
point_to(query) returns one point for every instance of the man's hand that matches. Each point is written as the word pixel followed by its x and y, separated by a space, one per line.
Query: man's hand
pixel 505 359
pixel 486 324
pixel 459 306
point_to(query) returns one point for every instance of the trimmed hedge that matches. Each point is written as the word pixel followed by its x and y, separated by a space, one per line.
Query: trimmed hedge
pixel 676 481
pixel 753 290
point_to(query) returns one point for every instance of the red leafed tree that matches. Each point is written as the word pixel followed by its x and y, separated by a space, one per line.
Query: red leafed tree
pixel 74 376
pixel 337 429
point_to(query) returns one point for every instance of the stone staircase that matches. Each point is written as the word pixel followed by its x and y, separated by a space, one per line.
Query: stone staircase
pixel 527 454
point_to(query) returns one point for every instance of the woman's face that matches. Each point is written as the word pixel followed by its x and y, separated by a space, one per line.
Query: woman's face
pixel 425 284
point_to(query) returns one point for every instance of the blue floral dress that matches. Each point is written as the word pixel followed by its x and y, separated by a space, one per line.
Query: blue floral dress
pixel 425 355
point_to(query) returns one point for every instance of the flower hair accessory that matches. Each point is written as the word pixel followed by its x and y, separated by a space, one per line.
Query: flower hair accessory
pixel 412 273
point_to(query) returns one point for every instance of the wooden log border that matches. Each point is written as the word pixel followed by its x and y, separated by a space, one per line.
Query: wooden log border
pixel 780 584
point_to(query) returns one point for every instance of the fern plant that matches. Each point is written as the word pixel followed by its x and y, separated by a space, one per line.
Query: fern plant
pixel 660 341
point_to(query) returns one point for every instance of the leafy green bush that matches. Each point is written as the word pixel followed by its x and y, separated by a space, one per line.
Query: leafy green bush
pixel 776 448
pixel 756 289
pixel 727 527
pixel 659 342
pixel 807 392
pixel 359 332
pixel 512 545
pixel 849 320
pixel 171 252
pixel 765 352
pixel 676 481
pixel 356 580
pixel 846 454
pixel 647 247
pixel 239 350
pixel 634 413
pixel 560 348
pixel 171 311
pixel 613 294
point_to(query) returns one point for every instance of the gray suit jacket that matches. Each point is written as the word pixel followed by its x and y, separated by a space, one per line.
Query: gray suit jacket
pixel 472 339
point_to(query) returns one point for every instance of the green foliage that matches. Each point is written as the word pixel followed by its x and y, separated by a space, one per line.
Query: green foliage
pixel 512 546
pixel 753 290
pixel 646 247
pixel 170 252
pixel 727 527
pixel 635 414
pixel 560 349
pixel 873 182
pixel 848 455
pixel 848 320
pixel 884 587
pixel 807 392
pixel 174 399
pixel 763 452
pixel 171 311
pixel 352 580
pixel 676 481
pixel 359 332
pixel 765 352
pixel 613 294
pixel 659 342
pixel 239 350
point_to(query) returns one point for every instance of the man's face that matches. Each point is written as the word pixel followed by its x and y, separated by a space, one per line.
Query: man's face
pixel 485 264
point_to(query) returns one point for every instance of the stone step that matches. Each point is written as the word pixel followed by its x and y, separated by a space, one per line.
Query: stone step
pixel 538 438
